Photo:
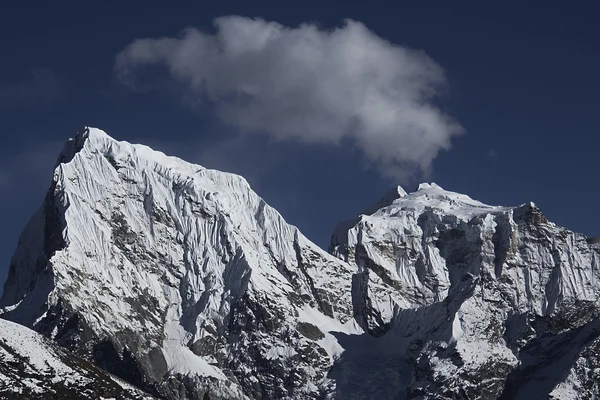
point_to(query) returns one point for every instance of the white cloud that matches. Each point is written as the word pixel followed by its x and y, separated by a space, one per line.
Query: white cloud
pixel 310 85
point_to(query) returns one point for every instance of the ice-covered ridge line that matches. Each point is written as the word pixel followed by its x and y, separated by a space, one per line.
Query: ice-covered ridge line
pixel 434 197
pixel 386 200
pixel 135 155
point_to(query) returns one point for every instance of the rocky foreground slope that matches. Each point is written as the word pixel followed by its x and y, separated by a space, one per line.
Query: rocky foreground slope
pixel 32 367
pixel 183 282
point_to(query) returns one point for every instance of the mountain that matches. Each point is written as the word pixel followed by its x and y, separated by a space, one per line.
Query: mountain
pixel 477 301
pixel 33 367
pixel 177 278
pixel 183 282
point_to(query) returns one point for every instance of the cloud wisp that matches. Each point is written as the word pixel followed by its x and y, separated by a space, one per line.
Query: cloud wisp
pixel 309 85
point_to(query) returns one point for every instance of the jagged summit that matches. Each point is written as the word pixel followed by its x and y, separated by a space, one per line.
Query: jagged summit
pixel 433 197
pixel 425 185
pixel 121 153
pixel 429 196
pixel 76 143
pixel 387 199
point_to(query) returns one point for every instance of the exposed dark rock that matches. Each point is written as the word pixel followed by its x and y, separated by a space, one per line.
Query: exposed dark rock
pixel 309 331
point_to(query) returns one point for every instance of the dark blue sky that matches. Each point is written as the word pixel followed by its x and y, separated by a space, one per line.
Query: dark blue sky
pixel 522 79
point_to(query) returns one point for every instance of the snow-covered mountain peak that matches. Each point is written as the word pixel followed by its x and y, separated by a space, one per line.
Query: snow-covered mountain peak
pixel 430 196
pixel 480 291
pixel 425 185
pixel 178 266
pixel 93 142
pixel 387 199
pixel 85 137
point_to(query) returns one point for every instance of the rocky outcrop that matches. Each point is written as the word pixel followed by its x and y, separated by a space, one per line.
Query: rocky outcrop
pixel 32 367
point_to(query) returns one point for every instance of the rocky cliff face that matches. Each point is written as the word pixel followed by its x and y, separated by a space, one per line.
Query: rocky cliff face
pixel 183 282
pixel 32 367
pixel 478 301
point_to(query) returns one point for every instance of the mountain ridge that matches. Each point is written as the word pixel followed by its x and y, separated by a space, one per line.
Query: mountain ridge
pixel 184 282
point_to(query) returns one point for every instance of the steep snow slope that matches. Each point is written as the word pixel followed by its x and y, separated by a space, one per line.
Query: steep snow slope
pixel 177 278
pixel 478 301
pixel 395 240
pixel 32 367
